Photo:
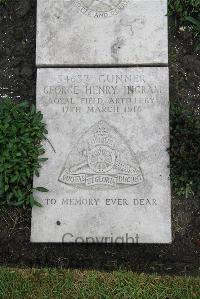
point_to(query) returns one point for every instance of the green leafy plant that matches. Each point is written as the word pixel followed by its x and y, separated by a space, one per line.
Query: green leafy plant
pixel 183 8
pixel 21 133
pixel 187 13
pixel 185 150
pixel 196 28
pixel 3 1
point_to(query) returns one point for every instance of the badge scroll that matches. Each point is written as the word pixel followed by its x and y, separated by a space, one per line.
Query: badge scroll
pixel 104 8
pixel 101 159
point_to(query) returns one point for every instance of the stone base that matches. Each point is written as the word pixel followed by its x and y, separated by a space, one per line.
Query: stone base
pixel 107 173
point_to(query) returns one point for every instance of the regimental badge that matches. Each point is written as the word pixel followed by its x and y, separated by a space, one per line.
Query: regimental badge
pixel 101 5
pixel 101 160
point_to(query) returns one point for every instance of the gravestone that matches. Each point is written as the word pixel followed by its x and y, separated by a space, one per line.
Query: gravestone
pixel 108 128
pixel 106 32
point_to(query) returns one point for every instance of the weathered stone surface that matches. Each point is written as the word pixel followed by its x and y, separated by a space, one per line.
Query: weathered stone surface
pixel 103 32
pixel 107 171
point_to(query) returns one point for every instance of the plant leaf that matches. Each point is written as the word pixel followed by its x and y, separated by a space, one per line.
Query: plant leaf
pixel 41 189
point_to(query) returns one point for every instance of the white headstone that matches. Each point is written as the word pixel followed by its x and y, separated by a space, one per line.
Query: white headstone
pixel 101 32
pixel 107 173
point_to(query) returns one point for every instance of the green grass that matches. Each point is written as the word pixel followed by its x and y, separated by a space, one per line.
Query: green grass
pixel 54 283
